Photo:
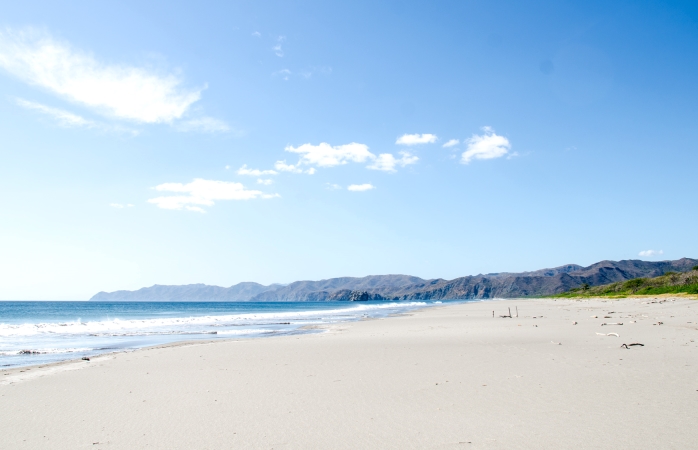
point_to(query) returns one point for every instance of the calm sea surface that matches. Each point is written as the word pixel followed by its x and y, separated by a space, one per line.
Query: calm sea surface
pixel 43 332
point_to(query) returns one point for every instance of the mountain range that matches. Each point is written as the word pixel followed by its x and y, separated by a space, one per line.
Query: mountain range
pixel 404 287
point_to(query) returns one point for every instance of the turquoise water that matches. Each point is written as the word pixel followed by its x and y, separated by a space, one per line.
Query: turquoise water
pixel 44 332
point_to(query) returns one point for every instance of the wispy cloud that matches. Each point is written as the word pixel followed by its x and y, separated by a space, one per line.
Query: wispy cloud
pixel 325 155
pixel 360 187
pixel 67 119
pixel 278 51
pixel 118 91
pixel 265 181
pixel 281 166
pixel 387 162
pixel 244 170
pixel 306 74
pixel 256 34
pixel 204 125
pixel 451 143
pixel 332 186
pixel 485 146
pixel 649 253
pixel 415 139
pixel 203 193
pixel 285 74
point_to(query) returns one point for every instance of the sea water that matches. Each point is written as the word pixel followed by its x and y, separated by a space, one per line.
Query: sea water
pixel 43 332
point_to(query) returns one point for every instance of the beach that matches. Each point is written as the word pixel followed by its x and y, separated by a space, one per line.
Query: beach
pixel 550 376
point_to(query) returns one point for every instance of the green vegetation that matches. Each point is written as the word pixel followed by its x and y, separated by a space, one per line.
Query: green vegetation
pixel 669 283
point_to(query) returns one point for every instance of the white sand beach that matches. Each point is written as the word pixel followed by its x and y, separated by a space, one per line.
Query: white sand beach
pixel 444 377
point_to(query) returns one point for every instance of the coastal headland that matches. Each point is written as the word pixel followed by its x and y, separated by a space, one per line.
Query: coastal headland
pixel 557 374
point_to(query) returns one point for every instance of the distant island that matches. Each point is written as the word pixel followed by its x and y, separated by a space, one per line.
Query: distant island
pixel 539 283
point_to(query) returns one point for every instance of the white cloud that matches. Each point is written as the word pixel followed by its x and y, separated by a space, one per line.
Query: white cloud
pixel 281 166
pixel 283 73
pixel 278 51
pixel 387 162
pixel 451 143
pixel 486 146
pixel 203 193
pixel 265 182
pixel 648 253
pixel 69 120
pixel 325 155
pixel 121 91
pixel 306 74
pixel 332 186
pixel 414 139
pixel 64 118
pixel 256 34
pixel 204 124
pixel 361 187
pixel 255 172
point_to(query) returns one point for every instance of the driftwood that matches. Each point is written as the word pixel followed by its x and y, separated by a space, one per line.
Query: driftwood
pixel 614 323
pixel 631 345
pixel 507 316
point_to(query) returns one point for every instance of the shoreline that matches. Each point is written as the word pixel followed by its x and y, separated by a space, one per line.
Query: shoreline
pixel 445 376
pixel 58 366
pixel 68 339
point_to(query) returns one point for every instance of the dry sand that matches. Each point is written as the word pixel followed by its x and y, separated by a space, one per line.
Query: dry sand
pixel 445 377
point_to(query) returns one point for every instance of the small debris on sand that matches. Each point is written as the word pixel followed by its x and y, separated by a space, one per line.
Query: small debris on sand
pixel 631 345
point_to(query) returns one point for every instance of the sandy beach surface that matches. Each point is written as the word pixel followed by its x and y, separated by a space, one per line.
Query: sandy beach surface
pixel 444 377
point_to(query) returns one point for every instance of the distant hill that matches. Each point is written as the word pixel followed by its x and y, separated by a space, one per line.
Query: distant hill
pixel 669 283
pixel 190 292
pixel 538 283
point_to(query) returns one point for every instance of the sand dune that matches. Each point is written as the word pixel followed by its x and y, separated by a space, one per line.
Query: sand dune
pixel 444 377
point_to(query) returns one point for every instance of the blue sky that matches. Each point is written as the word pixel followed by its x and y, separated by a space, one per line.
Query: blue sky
pixel 210 142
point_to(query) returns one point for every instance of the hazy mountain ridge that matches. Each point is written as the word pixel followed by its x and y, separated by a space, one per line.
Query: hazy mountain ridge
pixel 404 287
pixel 244 291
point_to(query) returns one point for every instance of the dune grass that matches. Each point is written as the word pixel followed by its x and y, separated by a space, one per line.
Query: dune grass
pixel 669 283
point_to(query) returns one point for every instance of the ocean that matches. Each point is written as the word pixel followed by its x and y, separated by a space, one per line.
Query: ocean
pixel 41 332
